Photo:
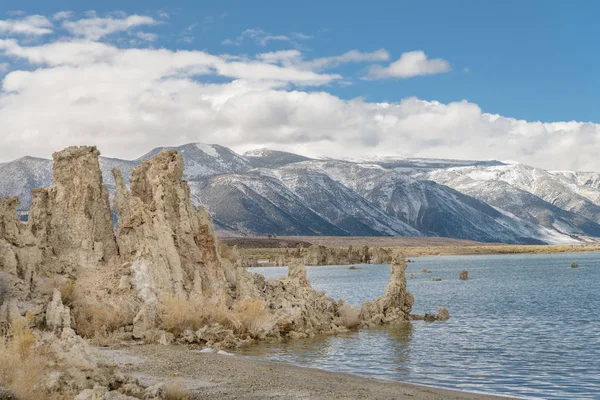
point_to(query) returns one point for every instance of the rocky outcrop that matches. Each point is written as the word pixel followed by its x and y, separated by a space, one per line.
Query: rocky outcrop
pixel 57 315
pixel 443 314
pixel 298 309
pixel 163 248
pixel 74 215
pixel 396 304
pixel 69 232
pixel 324 255
pixel 20 258
pixel 170 246
pixel 463 275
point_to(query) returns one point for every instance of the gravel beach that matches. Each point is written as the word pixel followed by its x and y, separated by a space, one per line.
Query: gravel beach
pixel 220 376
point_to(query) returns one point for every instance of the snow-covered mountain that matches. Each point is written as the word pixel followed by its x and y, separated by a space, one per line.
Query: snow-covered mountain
pixel 273 192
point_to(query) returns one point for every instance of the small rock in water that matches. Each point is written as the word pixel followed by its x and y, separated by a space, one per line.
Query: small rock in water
pixel 412 276
pixel 352 267
pixel 436 279
pixel 463 275
pixel 443 314
pixel 574 265
pixel 425 271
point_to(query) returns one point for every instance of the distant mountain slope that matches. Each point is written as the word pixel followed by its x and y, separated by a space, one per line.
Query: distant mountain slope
pixel 202 160
pixel 529 193
pixel 18 177
pixel 273 192
pixel 265 158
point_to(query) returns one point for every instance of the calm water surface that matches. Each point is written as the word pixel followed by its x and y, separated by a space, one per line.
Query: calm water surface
pixel 523 325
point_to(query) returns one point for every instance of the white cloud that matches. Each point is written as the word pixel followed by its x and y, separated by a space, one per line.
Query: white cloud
pixel 34 25
pixel 149 63
pixel 128 100
pixel 3 67
pixel 62 15
pixel 261 37
pixel 294 57
pixel 95 28
pixel 353 56
pixel 409 65
pixel 149 37
pixel 285 57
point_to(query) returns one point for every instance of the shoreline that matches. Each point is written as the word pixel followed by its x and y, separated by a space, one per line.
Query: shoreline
pixel 475 252
pixel 209 375
pixel 432 251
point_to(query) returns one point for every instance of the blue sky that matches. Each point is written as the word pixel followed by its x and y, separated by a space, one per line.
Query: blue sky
pixel 471 80
pixel 526 59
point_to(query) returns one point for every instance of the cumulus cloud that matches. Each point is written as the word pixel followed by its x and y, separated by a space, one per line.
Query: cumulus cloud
pixel 62 15
pixel 95 28
pixel 411 64
pixel 128 100
pixel 34 25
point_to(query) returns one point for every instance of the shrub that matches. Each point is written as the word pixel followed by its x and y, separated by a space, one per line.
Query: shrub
pixel 67 292
pixel 22 365
pixel 249 318
pixel 98 321
pixel 254 318
pixel 178 313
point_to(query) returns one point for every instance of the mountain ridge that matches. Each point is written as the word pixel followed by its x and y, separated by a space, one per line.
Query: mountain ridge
pixel 267 191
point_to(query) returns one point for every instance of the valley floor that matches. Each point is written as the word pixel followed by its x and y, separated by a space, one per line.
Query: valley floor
pixel 208 375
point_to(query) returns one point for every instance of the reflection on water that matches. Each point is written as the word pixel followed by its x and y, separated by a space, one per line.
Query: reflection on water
pixel 522 325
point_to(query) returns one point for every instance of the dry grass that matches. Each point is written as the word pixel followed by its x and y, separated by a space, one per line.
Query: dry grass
pixel 255 318
pixel 98 321
pixel 67 292
pixel 349 316
pixel 22 365
pixel 247 318
pixel 178 313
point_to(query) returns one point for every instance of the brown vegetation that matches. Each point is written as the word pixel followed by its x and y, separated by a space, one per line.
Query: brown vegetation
pixel 22 365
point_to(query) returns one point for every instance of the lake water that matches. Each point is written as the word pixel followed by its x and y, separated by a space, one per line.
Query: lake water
pixel 522 325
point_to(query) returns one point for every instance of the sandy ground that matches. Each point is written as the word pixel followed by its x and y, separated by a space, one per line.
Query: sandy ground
pixel 216 376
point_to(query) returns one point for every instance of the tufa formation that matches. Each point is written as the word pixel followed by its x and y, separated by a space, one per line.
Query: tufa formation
pixel 154 270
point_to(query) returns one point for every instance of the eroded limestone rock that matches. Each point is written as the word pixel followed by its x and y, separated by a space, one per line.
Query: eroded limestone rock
pixel 396 304
pixel 80 223
pixel 57 315
pixel 443 314
pixel 463 275
pixel 163 247
pixel 170 245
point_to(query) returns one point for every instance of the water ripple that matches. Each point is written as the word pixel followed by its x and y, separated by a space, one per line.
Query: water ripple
pixel 523 325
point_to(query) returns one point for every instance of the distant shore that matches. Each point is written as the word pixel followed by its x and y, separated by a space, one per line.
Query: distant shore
pixel 262 248
pixel 235 377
